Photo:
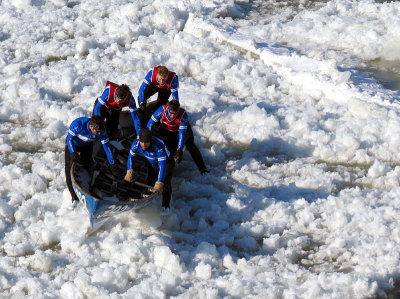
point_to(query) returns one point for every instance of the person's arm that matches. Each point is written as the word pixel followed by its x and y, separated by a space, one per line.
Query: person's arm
pixel 101 101
pixel 135 116
pixel 182 130
pixel 155 117
pixel 132 154
pixel 70 146
pixel 174 88
pixel 143 86
pixel 73 130
pixel 161 158
pixel 107 148
pixel 129 176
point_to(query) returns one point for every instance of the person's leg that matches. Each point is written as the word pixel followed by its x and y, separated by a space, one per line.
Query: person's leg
pixel 152 174
pixel 170 139
pixel 149 91
pixel 194 150
pixel 167 191
pixel 163 96
pixel 162 99
pixel 151 108
pixel 173 139
pixel 68 165
pixel 145 114
pixel 112 123
pixel 87 156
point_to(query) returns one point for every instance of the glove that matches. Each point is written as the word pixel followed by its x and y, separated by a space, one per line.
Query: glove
pixel 75 157
pixel 178 156
pixel 115 171
pixel 158 187
pixel 129 176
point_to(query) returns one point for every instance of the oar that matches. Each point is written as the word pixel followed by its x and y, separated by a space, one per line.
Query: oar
pixel 118 143
pixel 151 188
pixel 96 173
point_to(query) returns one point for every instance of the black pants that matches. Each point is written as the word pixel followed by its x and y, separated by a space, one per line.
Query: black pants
pixel 85 159
pixel 153 176
pixel 171 140
pixel 162 99
pixel 111 116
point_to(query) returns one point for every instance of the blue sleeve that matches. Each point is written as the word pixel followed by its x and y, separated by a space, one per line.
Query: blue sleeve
pixel 174 88
pixel 107 148
pixel 155 117
pixel 70 146
pixel 182 130
pixel 101 101
pixel 135 116
pixel 162 161
pixel 145 83
pixel 73 130
pixel 132 153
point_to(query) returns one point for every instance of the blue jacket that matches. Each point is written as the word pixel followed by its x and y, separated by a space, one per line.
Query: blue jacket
pixel 102 101
pixel 79 135
pixel 147 80
pixel 156 154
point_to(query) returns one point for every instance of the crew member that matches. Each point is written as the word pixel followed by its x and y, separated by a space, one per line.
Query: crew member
pixel 177 132
pixel 161 81
pixel 109 106
pixel 160 170
pixel 82 133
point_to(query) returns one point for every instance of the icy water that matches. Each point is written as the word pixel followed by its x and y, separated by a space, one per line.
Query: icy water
pixel 386 72
pixel 304 190
pixel 264 12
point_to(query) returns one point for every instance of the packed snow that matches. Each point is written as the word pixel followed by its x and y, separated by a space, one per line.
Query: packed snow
pixel 303 196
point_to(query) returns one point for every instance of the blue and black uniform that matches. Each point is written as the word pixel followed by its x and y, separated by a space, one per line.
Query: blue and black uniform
pixel 80 140
pixel 151 86
pixel 171 86
pixel 156 155
pixel 177 133
pixel 108 108
pixel 177 125
pixel 160 165
pixel 80 136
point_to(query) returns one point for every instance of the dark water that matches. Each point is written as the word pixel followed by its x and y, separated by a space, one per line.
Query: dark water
pixel 386 72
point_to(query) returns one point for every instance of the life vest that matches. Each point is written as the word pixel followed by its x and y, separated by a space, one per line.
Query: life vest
pixel 167 84
pixel 171 125
pixel 111 104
